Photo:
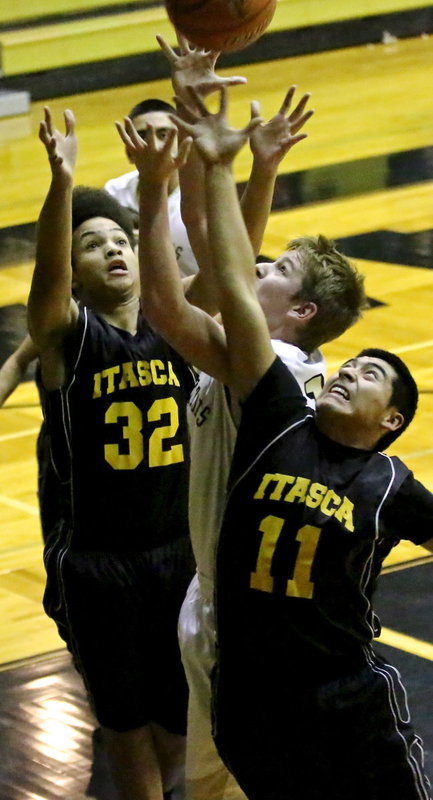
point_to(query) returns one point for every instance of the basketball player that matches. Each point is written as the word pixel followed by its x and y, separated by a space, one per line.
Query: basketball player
pixel 293 321
pixel 207 778
pixel 210 410
pixel 304 708
pixel 119 561
pixel 125 187
pixel 12 372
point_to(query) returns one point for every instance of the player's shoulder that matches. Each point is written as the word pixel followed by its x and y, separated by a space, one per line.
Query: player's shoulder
pixel 308 369
pixel 122 181
pixel 277 393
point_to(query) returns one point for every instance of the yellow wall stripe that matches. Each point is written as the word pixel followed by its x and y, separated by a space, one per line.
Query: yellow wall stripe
pixel 407 643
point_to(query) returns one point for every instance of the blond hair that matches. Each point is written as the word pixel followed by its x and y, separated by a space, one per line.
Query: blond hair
pixel 333 284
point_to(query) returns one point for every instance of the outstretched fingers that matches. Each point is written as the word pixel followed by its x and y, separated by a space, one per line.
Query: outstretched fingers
pixel 198 102
pixel 186 47
pixel 298 117
pixel 255 109
pixel 133 133
pixel 123 135
pixel 48 120
pixel 168 141
pixel 69 118
pixel 287 102
pixel 50 144
pixel 168 51
pixel 46 135
pixel 297 124
pixel 184 126
pixel 255 119
pixel 183 152
pixel 222 111
pixel 295 139
pixel 301 106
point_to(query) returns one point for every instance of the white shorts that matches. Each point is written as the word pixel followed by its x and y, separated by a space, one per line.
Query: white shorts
pixel 207 778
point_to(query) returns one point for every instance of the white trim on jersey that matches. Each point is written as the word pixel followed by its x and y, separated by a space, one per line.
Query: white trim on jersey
pixel 393 681
pixel 291 427
pixel 366 575
pixel 386 493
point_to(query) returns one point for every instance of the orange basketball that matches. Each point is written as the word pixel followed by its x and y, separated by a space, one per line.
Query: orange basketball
pixel 221 24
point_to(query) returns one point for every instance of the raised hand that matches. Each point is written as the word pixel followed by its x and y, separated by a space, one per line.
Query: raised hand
pixel 154 159
pixel 195 67
pixel 214 139
pixel 61 148
pixel 272 140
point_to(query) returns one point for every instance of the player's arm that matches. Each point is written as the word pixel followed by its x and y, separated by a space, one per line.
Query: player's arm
pixel 51 312
pixel 232 257
pixel 14 368
pixel 192 332
pixel 270 143
pixel 193 66
pixel 409 514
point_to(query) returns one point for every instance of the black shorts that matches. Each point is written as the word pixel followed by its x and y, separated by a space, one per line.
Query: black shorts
pixel 118 615
pixel 349 739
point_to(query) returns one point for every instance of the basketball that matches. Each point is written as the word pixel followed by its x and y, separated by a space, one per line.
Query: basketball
pixel 224 25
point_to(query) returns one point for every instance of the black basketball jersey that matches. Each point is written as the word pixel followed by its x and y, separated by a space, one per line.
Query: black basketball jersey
pixel 49 487
pixel 119 437
pixel 303 538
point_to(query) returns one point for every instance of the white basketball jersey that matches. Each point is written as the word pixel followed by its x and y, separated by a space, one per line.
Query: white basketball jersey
pixel 212 420
pixel 125 190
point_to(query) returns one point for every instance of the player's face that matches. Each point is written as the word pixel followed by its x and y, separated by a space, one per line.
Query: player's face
pixel 354 406
pixel 161 123
pixel 277 285
pixel 103 259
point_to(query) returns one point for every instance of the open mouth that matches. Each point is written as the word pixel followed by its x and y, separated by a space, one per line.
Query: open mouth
pixel 118 267
pixel 340 391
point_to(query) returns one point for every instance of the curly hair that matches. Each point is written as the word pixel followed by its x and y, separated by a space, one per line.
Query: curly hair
pixel 88 202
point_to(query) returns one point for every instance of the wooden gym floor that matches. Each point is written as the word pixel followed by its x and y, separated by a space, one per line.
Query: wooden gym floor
pixel 365 177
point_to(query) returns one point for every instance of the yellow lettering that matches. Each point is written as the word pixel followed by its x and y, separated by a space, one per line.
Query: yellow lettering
pixel 315 495
pixel 109 374
pixel 344 514
pixel 141 373
pixel 280 480
pixel 330 497
pixel 128 416
pixel 299 490
pixel 172 377
pixel 144 375
pixel 261 578
pixel 158 377
pixel 260 493
pixel 128 376
pixel 96 385
pixel 301 584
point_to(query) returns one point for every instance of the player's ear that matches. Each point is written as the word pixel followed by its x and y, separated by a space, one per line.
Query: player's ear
pixel 393 419
pixel 303 310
